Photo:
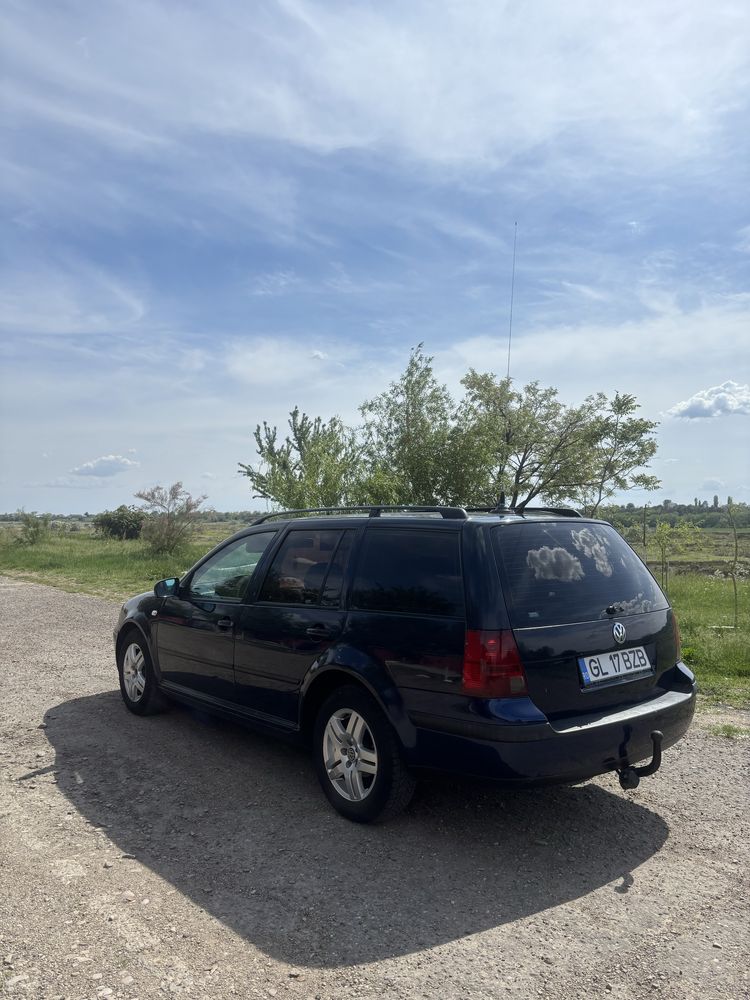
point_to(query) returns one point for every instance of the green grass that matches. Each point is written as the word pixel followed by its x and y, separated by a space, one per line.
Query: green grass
pixel 729 730
pixel 82 562
pixel 719 655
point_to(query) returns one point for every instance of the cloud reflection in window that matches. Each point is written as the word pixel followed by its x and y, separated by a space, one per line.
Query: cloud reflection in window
pixel 593 547
pixel 554 564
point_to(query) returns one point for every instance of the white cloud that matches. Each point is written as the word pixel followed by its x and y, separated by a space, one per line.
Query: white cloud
pixel 194 359
pixel 274 283
pixel 444 85
pixel 640 356
pixel 720 400
pixel 91 483
pixel 66 297
pixel 107 465
pixel 743 240
pixel 713 484
pixel 276 362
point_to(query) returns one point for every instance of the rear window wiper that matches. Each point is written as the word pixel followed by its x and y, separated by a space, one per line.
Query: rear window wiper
pixel 614 609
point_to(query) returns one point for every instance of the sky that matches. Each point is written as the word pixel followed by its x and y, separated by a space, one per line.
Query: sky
pixel 213 213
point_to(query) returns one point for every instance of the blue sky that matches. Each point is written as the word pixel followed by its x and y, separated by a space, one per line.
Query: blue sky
pixel 211 214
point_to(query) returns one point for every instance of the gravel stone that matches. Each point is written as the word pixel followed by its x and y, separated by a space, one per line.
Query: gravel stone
pixel 477 892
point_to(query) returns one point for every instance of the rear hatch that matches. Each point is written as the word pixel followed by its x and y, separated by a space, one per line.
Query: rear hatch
pixel 594 631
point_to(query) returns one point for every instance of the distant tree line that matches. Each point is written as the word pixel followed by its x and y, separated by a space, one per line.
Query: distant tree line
pixel 700 515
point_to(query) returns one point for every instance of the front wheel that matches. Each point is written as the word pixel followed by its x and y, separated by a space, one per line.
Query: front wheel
pixel 137 682
pixel 358 758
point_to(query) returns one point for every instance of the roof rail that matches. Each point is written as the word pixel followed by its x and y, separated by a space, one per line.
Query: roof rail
pixel 449 513
pixel 520 511
pixel 560 511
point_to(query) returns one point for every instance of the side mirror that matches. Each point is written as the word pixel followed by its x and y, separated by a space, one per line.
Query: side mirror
pixel 167 588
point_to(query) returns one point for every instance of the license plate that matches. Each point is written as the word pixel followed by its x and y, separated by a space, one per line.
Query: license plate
pixel 621 664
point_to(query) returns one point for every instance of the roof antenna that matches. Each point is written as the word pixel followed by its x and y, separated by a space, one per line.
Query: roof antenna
pixel 512 287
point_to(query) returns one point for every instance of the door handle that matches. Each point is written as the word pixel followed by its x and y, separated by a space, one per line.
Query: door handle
pixel 320 631
pixel 225 624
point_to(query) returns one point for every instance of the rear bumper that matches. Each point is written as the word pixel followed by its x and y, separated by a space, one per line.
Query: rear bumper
pixel 537 752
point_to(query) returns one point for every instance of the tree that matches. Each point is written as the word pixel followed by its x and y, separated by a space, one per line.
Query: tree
pixel 669 541
pixel 618 444
pixel 317 464
pixel 170 516
pixel 527 444
pixel 417 446
pixel 124 522
pixel 407 455
pixel 523 444
pixel 734 567
pixel 35 528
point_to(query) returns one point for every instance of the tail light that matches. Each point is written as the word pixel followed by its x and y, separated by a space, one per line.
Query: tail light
pixel 677 643
pixel 492 665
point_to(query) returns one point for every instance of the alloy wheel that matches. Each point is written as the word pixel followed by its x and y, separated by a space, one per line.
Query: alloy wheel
pixel 133 672
pixel 350 755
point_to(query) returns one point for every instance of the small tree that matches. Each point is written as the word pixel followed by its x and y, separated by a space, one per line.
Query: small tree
pixel 35 527
pixel 124 522
pixel 314 466
pixel 735 569
pixel 170 516
pixel 408 456
pixel 669 541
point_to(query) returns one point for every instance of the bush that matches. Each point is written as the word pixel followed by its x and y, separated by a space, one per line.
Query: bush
pixel 124 522
pixel 35 527
pixel 170 517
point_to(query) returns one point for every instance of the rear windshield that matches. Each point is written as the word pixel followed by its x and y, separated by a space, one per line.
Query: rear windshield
pixel 560 572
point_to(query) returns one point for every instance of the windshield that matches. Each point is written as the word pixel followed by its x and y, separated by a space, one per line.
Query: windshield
pixel 558 572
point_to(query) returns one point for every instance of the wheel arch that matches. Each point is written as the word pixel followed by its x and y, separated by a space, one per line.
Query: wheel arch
pixel 129 628
pixel 372 678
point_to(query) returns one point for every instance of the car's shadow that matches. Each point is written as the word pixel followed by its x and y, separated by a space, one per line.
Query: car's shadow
pixel 237 823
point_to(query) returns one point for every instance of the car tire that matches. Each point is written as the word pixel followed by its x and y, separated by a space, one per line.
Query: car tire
pixel 358 758
pixel 138 685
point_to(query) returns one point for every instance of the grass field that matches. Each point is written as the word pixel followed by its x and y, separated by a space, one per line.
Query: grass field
pixel 720 656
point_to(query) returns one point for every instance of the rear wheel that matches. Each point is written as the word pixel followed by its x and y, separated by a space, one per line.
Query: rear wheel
pixel 358 758
pixel 137 681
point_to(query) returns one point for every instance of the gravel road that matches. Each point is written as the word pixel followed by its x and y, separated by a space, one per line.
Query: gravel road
pixel 180 856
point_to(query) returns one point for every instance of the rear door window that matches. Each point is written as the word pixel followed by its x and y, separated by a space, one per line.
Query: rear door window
pixel 415 572
pixel 301 567
pixel 560 572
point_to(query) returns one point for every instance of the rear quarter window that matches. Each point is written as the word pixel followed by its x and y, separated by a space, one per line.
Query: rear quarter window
pixel 560 572
pixel 409 571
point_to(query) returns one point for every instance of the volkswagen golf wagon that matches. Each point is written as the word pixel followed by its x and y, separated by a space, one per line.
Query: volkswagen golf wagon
pixel 525 646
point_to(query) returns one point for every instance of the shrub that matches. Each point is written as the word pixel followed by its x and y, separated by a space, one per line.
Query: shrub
pixel 124 522
pixel 170 516
pixel 35 527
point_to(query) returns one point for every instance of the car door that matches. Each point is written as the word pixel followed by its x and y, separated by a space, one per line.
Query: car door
pixel 195 629
pixel 297 615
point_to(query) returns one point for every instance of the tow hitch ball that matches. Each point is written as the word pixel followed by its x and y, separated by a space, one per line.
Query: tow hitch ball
pixel 630 776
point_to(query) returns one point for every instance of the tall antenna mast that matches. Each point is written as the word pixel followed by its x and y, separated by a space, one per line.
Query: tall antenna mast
pixel 512 288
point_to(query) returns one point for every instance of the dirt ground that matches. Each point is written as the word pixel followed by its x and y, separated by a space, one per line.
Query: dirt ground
pixel 180 856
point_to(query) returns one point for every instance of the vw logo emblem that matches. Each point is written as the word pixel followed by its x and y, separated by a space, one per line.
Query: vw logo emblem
pixel 618 631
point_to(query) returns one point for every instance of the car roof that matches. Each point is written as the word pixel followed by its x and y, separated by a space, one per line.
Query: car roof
pixel 408 515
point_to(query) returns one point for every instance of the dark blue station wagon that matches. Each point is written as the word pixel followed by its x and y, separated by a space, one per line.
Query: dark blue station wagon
pixel 526 647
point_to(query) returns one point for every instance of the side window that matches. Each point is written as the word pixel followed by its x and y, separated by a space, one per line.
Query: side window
pixel 416 572
pixel 331 596
pixel 226 575
pixel 300 567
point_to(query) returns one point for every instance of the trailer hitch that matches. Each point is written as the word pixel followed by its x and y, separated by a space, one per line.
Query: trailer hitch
pixel 630 776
